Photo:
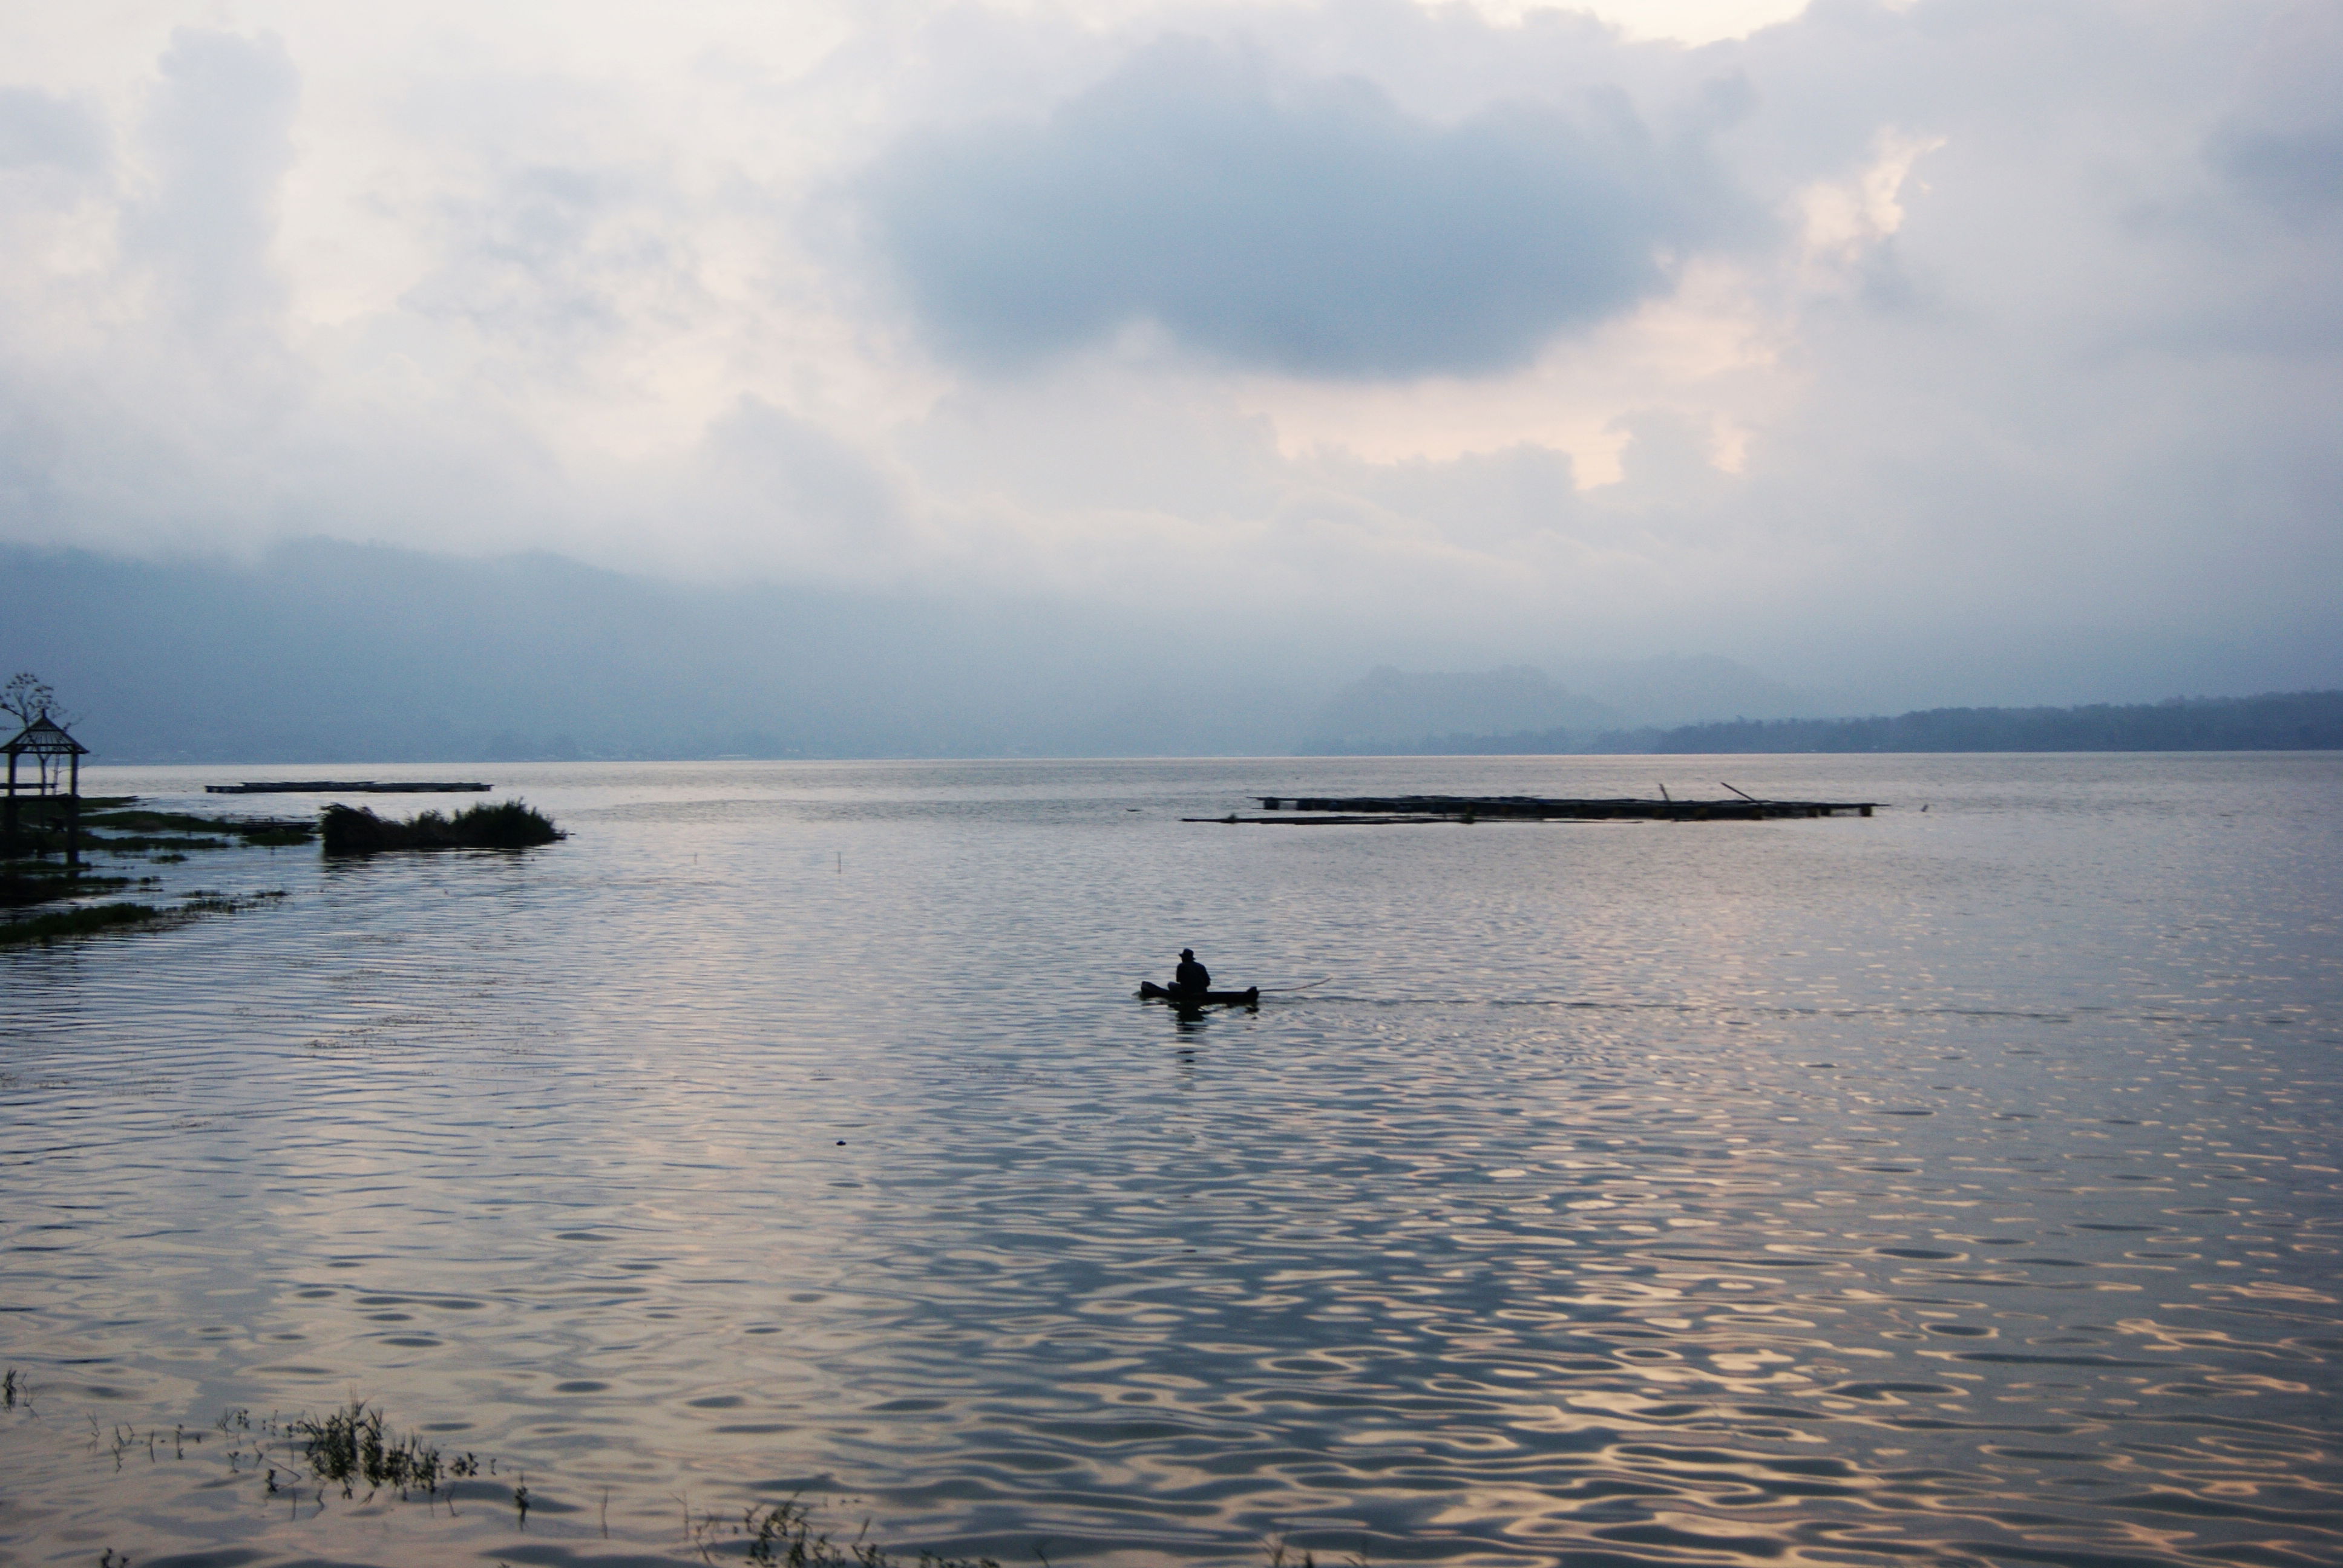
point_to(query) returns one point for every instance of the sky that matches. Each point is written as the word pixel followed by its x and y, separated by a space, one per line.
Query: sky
pixel 1958 350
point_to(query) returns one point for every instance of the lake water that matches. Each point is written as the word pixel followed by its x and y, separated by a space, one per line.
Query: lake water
pixel 1954 1186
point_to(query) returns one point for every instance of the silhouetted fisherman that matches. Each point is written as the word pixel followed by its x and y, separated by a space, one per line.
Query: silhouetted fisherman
pixel 1190 979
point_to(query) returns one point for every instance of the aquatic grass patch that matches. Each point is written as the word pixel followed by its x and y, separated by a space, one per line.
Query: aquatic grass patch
pixel 505 825
pixel 783 1534
pixel 31 843
pixel 140 825
pixel 49 811
pixel 23 885
pixel 42 820
pixel 47 929
pixel 352 1444
pixel 139 843
pixel 298 1463
pixel 44 930
pixel 215 903
pixel 133 820
pixel 277 835
pixel 306 1456
pixel 117 825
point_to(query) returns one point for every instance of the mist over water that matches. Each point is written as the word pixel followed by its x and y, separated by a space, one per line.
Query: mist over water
pixel 1957 1186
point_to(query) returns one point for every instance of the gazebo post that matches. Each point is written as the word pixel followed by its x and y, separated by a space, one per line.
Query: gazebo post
pixel 73 814
pixel 8 829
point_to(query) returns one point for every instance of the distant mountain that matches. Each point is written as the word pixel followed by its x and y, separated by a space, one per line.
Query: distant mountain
pixel 2279 721
pixel 1386 710
pixel 320 651
pixel 1677 689
pixel 323 652
pixel 1390 712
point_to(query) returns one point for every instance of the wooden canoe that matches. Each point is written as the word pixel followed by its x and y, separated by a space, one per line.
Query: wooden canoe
pixel 1251 997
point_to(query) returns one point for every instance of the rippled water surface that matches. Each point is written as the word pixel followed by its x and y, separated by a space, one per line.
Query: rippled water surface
pixel 1956 1186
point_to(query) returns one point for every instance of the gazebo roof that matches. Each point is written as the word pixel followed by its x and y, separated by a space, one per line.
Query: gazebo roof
pixel 45 738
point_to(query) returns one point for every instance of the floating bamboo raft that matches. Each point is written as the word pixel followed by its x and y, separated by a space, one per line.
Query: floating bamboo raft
pixel 1302 811
pixel 338 787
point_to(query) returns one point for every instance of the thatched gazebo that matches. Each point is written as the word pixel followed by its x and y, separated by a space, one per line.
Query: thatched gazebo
pixel 57 759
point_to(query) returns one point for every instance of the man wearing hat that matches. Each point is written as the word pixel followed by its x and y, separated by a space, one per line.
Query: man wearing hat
pixel 1190 976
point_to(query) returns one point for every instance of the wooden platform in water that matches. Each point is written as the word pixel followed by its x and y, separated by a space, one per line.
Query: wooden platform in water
pixel 340 786
pixel 1536 808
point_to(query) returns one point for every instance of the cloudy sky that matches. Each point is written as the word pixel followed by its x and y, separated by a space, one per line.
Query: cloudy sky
pixel 1994 346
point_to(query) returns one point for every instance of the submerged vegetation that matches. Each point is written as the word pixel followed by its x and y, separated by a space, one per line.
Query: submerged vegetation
pixel 353 1450
pixel 507 825
pixel 782 1533
pixel 116 824
pixel 350 1445
pixel 45 930
pixel 306 1456
pixel 33 870
pixel 24 884
pixel 143 829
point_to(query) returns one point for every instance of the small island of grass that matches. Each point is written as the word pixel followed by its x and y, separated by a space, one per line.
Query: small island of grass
pixel 507 825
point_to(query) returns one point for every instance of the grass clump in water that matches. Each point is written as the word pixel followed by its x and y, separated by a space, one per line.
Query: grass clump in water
pixel 140 825
pixel 116 824
pixel 142 843
pixel 82 922
pixel 22 885
pixel 47 929
pixel 507 825
pixel 783 1534
pixel 351 1445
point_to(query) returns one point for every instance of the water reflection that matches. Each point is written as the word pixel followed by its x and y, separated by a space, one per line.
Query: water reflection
pixel 1795 1193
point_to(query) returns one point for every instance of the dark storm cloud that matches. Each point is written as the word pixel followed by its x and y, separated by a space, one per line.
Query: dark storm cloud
pixel 1317 229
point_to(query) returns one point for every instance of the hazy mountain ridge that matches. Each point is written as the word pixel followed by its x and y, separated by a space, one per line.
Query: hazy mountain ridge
pixel 1387 702
pixel 321 652
pixel 2274 721
pixel 1392 712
